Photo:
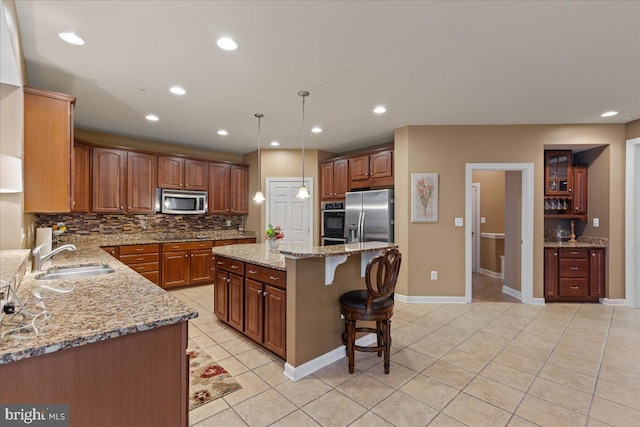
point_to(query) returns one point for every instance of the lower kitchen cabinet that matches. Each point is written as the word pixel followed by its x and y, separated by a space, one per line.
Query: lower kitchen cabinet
pixel 574 274
pixel 229 292
pixel 143 259
pixel 186 263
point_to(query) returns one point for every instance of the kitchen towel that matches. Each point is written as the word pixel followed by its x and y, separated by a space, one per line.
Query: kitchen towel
pixel 43 237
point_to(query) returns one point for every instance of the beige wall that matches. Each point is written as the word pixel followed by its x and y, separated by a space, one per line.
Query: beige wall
pixel 513 230
pixel 446 150
pixel 632 129
pixel 491 200
pixel 490 251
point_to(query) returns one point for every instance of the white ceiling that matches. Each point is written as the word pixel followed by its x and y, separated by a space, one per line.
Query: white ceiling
pixel 429 63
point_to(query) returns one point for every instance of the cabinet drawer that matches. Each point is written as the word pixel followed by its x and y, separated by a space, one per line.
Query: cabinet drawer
pixel 573 267
pixel 247 240
pixel 139 249
pixel 186 246
pixel 153 276
pixel 225 242
pixel 574 288
pixel 144 268
pixel 138 259
pixel 574 252
pixel 228 264
pixel 267 275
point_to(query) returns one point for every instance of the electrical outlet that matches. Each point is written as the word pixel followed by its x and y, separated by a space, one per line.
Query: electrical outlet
pixel 596 222
pixel 228 223
pixel 434 275
pixel 458 222
pixel 483 220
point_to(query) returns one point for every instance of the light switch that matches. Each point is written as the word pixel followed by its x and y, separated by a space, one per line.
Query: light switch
pixel 459 222
pixel 483 220
pixel 596 222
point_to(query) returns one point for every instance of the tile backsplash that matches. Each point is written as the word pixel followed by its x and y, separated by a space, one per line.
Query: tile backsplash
pixel 87 224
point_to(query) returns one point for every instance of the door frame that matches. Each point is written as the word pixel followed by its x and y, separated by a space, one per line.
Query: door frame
pixel 526 232
pixel 309 184
pixel 632 224
pixel 476 220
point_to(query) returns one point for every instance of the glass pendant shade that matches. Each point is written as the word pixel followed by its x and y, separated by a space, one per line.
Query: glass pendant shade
pixel 303 193
pixel 259 197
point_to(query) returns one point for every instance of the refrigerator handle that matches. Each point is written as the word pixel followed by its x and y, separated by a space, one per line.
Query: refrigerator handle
pixel 361 237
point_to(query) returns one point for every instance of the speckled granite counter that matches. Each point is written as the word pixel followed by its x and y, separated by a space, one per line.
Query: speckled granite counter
pixel 256 253
pixel 147 238
pixel 583 242
pixel 13 263
pixel 99 307
pixel 334 250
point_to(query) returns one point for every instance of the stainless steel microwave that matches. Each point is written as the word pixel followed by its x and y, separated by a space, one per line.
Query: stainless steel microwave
pixel 181 202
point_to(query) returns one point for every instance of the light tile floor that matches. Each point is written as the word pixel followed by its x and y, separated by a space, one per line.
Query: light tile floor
pixel 479 364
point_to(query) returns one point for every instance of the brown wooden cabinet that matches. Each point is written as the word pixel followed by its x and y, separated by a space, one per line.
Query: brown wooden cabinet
pixel 557 174
pixel 229 291
pixel 228 189
pixel 574 274
pixel 48 161
pixel 123 182
pixel 565 186
pixel 111 250
pixel 182 174
pixel 580 190
pixel 371 170
pixel 81 177
pixel 186 263
pixel 143 259
pixel 334 179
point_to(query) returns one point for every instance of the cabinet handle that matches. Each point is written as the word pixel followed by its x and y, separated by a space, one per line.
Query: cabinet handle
pixel 593 254
pixel 253 272
pixel 555 254
pixel 573 253
pixel 574 287
pixel 186 256
pixel 139 268
pixel 578 208
pixel 273 278
pixel 220 262
pixel 121 207
pixel 202 245
pixel 573 268
pixel 259 292
pixel 228 280
pixel 139 250
pixel 264 294
pixel 235 267
pixel 139 259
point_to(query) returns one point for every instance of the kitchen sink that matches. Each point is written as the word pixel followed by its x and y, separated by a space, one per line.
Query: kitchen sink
pixel 75 271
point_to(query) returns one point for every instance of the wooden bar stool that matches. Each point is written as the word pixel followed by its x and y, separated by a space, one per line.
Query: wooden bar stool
pixel 372 304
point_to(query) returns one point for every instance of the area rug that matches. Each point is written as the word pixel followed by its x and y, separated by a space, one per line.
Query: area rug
pixel 208 381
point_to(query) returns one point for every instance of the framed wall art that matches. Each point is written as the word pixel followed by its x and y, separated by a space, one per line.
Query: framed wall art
pixel 424 197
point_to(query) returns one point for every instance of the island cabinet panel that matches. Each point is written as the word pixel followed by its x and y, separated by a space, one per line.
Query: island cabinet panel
pixel 81 178
pixel 109 383
pixel 275 319
pixel 236 301
pixel 254 305
pixel 221 295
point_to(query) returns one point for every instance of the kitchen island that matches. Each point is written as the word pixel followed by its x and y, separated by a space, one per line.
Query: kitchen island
pixel 315 279
pixel 113 348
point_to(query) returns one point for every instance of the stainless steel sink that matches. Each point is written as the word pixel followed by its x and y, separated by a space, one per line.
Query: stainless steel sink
pixel 76 271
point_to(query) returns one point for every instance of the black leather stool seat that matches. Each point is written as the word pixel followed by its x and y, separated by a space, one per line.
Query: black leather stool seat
pixel 357 300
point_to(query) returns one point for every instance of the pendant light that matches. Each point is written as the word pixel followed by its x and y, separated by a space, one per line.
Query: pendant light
pixel 303 193
pixel 259 197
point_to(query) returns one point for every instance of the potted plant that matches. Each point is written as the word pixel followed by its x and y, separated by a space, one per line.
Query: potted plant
pixel 273 236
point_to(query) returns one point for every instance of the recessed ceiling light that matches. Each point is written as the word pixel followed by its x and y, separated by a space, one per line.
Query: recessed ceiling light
pixel 152 117
pixel 379 109
pixel 316 129
pixel 223 132
pixel 609 114
pixel 227 44
pixel 71 38
pixel 274 143
pixel 177 90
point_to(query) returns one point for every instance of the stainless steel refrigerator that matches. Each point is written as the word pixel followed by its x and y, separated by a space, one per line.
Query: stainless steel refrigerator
pixel 369 216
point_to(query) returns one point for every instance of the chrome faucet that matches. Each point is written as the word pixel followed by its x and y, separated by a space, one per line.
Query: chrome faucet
pixel 38 259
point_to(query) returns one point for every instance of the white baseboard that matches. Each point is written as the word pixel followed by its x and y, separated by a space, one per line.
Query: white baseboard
pixel 429 300
pixel 298 372
pixel 537 301
pixel 610 301
pixel 511 292
pixel 490 273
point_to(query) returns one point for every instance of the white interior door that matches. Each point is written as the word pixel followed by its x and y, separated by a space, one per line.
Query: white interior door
pixel 292 214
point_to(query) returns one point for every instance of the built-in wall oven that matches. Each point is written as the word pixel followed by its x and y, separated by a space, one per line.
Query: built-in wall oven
pixel 333 223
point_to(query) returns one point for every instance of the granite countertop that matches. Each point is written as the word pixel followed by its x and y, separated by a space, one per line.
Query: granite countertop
pixel 150 238
pixel 13 263
pixel 583 242
pixel 258 253
pixel 99 307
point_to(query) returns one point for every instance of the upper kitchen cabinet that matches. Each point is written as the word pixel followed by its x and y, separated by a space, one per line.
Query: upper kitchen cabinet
pixel 334 175
pixel 371 170
pixel 81 177
pixel 123 181
pixel 50 169
pixel 182 174
pixel 228 189
pixel 558 174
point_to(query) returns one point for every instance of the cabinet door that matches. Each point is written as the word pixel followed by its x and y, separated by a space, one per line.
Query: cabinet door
pixel 221 295
pixel 236 301
pixel 195 175
pixel 381 165
pixel 175 269
pixel 219 177
pixel 326 183
pixel 109 180
pixel 557 173
pixel 200 266
pixel 239 190
pixel 141 182
pixel 253 306
pixel 596 273
pixel 170 172
pixel 551 276
pixel 340 178
pixel 81 178
pixel 580 190
pixel 359 168
pixel 111 250
pixel 275 320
